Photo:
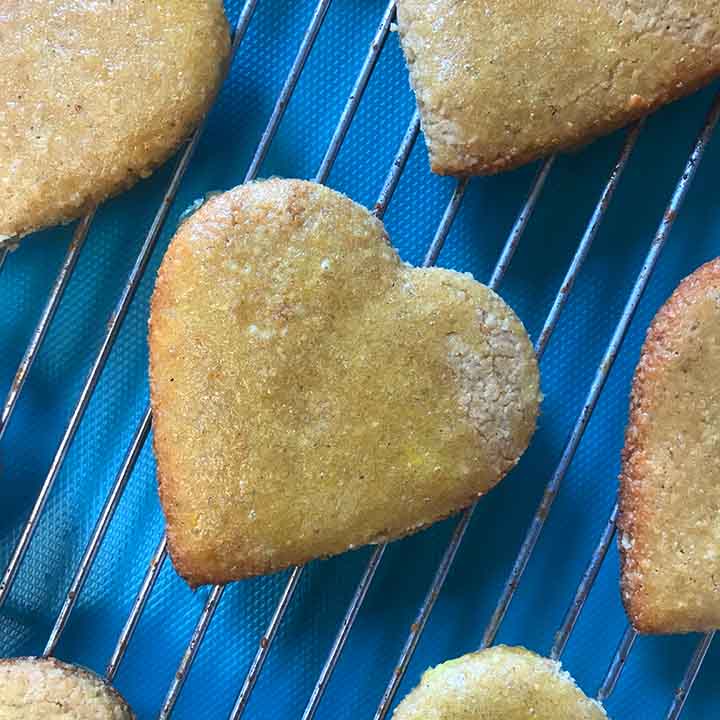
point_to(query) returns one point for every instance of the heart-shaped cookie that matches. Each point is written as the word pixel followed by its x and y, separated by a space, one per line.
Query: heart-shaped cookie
pixel 94 95
pixel 508 683
pixel 502 82
pixel 312 393
pixel 40 688
pixel 669 524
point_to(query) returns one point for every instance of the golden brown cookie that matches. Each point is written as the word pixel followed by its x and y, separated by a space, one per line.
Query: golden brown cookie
pixel 500 683
pixel 502 82
pixel 312 393
pixel 47 689
pixel 95 95
pixel 669 524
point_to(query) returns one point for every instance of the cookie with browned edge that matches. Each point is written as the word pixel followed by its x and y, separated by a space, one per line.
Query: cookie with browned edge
pixel 95 95
pixel 312 393
pixel 502 82
pixel 669 523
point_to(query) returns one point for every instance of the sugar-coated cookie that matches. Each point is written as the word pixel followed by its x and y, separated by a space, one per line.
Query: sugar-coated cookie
pixel 669 523
pixel 499 683
pixel 95 95
pixel 47 689
pixel 502 82
pixel 312 393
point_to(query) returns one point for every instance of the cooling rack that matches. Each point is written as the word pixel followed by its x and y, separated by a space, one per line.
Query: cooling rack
pixel 337 654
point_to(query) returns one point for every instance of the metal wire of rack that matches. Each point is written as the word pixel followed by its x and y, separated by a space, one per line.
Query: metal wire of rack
pixel 142 432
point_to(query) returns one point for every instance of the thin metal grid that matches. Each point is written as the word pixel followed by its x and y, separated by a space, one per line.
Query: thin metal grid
pixel 435 248
pixel 144 427
pixel 552 488
pixel 113 328
pixel 53 302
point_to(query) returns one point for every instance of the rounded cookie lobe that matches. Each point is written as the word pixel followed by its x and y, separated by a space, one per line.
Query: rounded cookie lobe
pixel 41 688
pixel 500 83
pixel 312 393
pixel 94 96
pixel 499 683
pixel 669 527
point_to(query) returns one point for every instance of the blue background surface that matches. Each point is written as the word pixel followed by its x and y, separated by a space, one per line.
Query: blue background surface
pixel 497 529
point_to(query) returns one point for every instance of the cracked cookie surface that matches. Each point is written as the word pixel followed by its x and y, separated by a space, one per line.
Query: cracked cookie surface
pixel 312 393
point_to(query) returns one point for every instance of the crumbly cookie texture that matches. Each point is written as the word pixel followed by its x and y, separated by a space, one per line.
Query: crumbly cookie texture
pixel 95 95
pixel 499 683
pixel 47 689
pixel 502 82
pixel 312 393
pixel 669 524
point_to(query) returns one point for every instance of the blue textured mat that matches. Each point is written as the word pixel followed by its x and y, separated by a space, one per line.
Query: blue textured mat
pixel 463 609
